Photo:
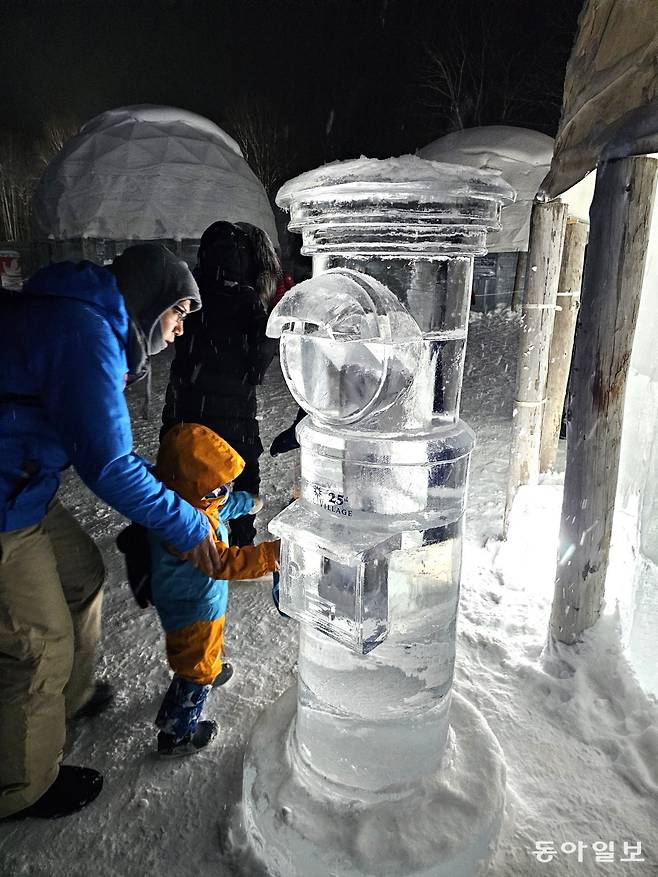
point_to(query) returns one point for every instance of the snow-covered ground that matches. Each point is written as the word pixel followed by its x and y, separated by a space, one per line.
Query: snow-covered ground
pixel 579 736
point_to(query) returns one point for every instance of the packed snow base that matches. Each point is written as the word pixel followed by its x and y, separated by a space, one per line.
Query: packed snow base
pixel 444 826
pixel 580 738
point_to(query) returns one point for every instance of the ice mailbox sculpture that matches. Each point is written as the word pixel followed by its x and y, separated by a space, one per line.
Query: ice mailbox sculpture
pixel 371 766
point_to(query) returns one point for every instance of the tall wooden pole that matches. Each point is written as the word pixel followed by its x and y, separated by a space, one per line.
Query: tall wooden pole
pixel 564 328
pixel 547 228
pixel 614 269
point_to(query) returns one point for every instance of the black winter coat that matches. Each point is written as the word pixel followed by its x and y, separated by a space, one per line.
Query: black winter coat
pixel 220 359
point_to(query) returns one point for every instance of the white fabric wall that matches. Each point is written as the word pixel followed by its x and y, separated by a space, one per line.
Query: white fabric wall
pixel 145 173
pixel 520 155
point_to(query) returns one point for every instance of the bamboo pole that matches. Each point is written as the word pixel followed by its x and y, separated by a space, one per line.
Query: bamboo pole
pixel 519 280
pixel 547 227
pixel 564 328
pixel 614 270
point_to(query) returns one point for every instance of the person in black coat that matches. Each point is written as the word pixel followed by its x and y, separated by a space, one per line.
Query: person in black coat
pixel 224 354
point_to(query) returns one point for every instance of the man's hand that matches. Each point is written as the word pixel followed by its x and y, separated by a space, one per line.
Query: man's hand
pixel 204 556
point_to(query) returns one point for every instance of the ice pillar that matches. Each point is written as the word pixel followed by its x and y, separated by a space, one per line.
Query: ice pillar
pixel 372 347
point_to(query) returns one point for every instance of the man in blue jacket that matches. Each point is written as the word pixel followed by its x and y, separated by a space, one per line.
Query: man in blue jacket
pixel 72 338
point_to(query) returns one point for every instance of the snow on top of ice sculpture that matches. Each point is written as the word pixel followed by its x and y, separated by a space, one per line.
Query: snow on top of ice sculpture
pixel 404 174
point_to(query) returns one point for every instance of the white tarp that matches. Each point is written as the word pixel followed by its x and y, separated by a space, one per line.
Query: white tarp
pixel 147 173
pixel 521 156
pixel 610 104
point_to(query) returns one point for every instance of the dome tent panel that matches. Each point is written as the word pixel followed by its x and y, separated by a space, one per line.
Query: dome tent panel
pixel 147 173
pixel 161 115
pixel 520 155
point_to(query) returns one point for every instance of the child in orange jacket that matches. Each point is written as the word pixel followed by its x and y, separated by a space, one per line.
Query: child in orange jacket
pixel 201 467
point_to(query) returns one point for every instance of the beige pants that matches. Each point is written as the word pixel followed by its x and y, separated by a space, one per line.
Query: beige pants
pixel 50 607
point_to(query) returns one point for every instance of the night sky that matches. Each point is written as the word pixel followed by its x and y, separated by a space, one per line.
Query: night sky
pixel 336 78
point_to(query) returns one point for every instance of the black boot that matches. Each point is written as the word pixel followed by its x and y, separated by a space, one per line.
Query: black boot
pixel 99 701
pixel 224 675
pixel 74 788
pixel 169 747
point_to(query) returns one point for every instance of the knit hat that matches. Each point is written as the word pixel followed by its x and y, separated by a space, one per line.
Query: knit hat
pixel 152 280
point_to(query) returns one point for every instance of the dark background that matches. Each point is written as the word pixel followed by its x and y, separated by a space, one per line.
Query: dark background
pixel 308 80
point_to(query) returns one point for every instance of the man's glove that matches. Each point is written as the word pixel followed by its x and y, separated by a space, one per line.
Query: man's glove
pixel 275 593
pixel 284 442
pixel 287 440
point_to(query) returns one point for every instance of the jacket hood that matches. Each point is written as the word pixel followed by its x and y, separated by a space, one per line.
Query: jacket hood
pixel 86 282
pixel 193 460
pixel 226 260
pixel 152 280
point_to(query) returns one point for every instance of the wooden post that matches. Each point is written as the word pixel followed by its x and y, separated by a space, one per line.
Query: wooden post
pixel 564 328
pixel 547 227
pixel 614 269
pixel 519 280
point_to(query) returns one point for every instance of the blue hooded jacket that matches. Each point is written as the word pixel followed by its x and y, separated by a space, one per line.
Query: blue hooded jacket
pixel 183 594
pixel 62 376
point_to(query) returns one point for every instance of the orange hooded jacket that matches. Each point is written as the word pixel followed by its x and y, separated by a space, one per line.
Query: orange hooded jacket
pixel 193 460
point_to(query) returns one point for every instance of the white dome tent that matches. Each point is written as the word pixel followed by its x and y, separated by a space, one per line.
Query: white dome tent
pixel 145 173
pixel 522 157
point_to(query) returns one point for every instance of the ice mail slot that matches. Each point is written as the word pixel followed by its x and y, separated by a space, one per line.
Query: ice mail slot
pixel 343 593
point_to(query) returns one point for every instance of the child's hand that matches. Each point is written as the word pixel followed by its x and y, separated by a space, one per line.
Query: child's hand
pixel 257 506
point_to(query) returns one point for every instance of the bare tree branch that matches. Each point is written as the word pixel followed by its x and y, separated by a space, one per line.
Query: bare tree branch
pixel 265 141
pixel 17 181
pixel 55 134
pixel 483 73
pixel 21 165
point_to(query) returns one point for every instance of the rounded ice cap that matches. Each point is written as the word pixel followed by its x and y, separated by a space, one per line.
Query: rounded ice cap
pixel 406 175
pixel 397 207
